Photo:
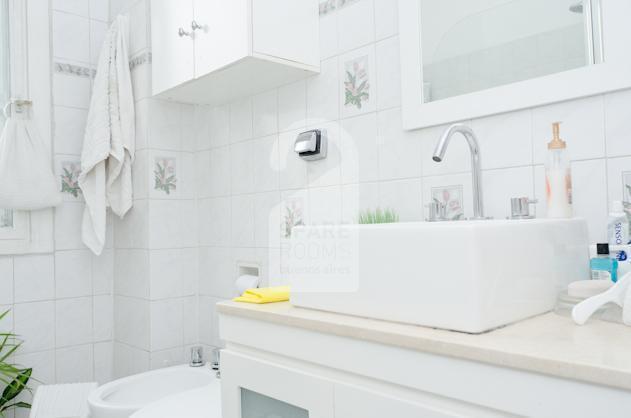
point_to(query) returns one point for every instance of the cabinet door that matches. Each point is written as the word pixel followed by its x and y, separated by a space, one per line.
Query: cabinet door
pixel 253 388
pixel 225 34
pixel 172 54
pixel 353 402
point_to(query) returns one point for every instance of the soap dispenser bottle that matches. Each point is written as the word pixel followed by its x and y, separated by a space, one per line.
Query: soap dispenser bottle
pixel 558 177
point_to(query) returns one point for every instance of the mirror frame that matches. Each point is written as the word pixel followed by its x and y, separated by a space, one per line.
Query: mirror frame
pixel 613 74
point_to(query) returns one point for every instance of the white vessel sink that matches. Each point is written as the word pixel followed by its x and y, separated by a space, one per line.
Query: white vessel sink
pixel 470 276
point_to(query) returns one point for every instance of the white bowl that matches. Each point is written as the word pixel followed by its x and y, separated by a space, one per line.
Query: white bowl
pixel 122 397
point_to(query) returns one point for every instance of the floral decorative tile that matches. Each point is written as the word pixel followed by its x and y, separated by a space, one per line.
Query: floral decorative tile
pixel 165 175
pixel 327 6
pixel 356 83
pixel 6 218
pixel 293 215
pixel 452 198
pixel 70 171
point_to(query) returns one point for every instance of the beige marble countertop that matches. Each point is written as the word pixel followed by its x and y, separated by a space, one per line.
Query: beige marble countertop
pixel 599 352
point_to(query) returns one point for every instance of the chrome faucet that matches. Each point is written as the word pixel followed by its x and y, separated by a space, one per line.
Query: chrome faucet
pixel 439 155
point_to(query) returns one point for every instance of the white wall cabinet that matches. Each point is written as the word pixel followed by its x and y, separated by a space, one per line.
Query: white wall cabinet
pixel 212 51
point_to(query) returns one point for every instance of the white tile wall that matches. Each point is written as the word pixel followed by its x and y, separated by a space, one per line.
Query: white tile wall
pixel 372 161
pixel 61 303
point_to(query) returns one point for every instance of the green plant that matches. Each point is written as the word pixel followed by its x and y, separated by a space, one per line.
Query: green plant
pixel 13 378
pixel 378 216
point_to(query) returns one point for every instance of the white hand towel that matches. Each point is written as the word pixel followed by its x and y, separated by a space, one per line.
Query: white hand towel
pixel 109 142
pixel 28 182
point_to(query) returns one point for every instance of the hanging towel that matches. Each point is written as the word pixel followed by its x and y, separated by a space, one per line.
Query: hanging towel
pixel 62 401
pixel 109 142
pixel 28 182
pixel 266 295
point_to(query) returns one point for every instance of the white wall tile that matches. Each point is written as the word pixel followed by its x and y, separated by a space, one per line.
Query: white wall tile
pixel 617 116
pixel 73 273
pixel 241 120
pixel 6 281
pixel 356 25
pixel 164 129
pixel 131 273
pixel 293 170
pixel 71 91
pixel 399 150
pixel 98 30
pixel 138 35
pixel 73 321
pixel 132 319
pixel 502 185
pixel 202 127
pixel 166 324
pixel 360 155
pixel 243 221
pixel 265 113
pixel 99 9
pixel 71 37
pixel 34 278
pixel 388 73
pixel 129 360
pixel 69 129
pixel 616 169
pixel 357 198
pixel 220 126
pixel 68 226
pixel 241 170
pixel 583 128
pixel 215 221
pixel 219 181
pixel 267 219
pixel 167 358
pixel 386 18
pixel 166 273
pixel 325 205
pixel 327 172
pixel 35 324
pixel 217 272
pixel 164 224
pixel 74 364
pixel 77 7
pixel 404 197
pixel 505 140
pixel 328 35
pixel 590 196
pixel 103 362
pixel 103 318
pixel 292 106
pixel 265 164
pixel 322 93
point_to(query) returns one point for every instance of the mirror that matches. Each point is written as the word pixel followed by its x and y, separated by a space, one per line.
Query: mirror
pixel 466 59
pixel 473 45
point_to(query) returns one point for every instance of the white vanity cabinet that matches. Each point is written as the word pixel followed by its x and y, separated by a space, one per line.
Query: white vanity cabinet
pixel 212 51
pixel 300 365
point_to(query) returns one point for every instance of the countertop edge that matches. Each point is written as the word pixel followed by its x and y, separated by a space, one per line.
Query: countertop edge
pixel 588 373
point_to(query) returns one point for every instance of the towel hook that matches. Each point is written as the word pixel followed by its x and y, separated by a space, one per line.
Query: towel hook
pixel 17 105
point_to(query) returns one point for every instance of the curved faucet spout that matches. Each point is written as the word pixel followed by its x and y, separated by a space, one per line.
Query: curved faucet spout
pixel 439 156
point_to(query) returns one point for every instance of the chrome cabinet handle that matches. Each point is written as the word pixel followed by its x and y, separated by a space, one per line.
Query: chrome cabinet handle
pixel 183 33
pixel 195 26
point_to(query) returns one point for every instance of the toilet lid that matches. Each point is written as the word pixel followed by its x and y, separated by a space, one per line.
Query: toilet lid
pixel 204 402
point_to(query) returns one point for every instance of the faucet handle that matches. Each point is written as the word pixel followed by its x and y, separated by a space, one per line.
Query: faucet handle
pixel 437 211
pixel 197 356
pixel 520 207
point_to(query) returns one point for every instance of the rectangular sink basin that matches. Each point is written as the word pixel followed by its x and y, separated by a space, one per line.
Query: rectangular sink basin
pixel 469 276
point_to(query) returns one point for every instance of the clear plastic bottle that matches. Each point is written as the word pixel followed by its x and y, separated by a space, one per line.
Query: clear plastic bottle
pixel 618 227
pixel 558 178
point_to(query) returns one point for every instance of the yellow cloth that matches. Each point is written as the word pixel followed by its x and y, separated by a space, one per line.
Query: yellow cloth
pixel 266 295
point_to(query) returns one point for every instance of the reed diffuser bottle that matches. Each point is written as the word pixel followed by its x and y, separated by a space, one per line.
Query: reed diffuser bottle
pixel 558 177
